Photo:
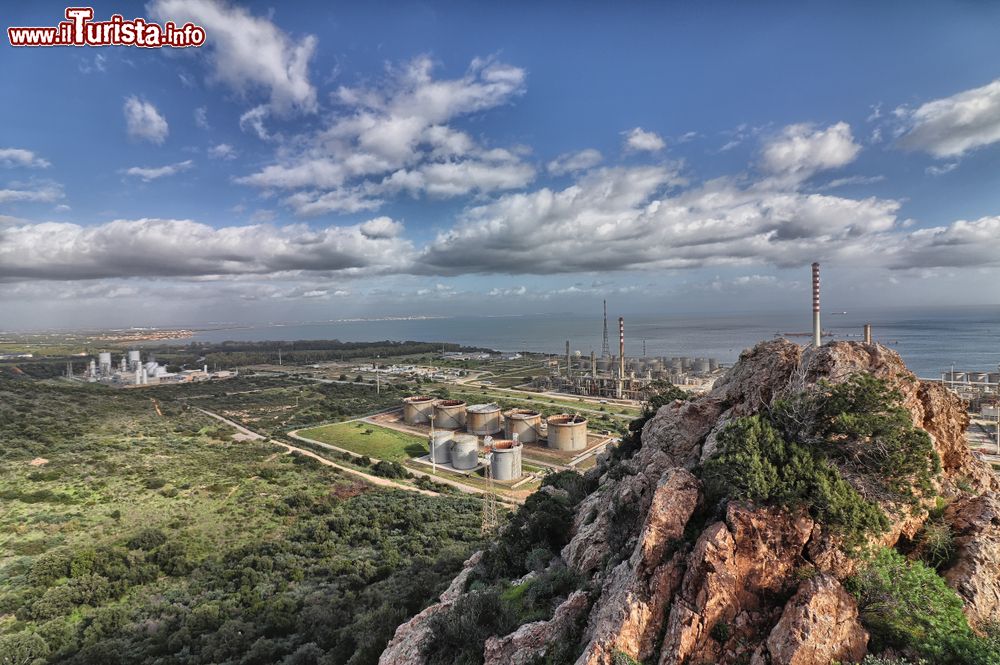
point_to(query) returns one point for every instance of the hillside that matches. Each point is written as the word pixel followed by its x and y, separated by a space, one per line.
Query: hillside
pixel 816 506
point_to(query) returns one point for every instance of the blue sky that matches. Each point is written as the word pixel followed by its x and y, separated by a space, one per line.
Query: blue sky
pixel 316 161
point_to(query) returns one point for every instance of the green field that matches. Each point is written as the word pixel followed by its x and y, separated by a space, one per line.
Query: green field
pixel 372 440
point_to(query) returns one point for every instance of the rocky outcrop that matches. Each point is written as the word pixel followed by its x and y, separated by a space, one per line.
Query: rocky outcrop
pixel 666 584
pixel 529 643
pixel 407 644
pixel 975 575
pixel 818 625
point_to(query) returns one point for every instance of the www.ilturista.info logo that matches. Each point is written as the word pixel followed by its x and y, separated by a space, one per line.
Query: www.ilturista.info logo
pixel 79 29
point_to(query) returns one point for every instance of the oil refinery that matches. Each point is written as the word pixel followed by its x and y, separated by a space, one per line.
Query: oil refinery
pixel 131 371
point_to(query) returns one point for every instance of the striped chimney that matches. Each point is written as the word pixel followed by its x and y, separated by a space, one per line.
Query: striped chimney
pixel 817 331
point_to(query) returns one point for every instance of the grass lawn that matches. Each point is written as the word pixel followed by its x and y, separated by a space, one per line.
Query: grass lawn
pixel 382 443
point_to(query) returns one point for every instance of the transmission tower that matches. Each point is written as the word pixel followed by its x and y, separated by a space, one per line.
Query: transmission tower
pixel 605 349
pixel 491 520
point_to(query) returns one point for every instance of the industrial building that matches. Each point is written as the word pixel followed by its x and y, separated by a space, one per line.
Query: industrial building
pixel 131 371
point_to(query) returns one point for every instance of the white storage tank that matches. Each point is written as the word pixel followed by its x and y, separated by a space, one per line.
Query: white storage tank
pixel 567 432
pixel 449 414
pixel 483 419
pixel 417 410
pixel 465 452
pixel 505 460
pixel 523 424
pixel 440 444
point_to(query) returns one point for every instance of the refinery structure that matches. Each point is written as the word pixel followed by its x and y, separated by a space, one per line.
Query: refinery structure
pixel 131 370
pixel 623 377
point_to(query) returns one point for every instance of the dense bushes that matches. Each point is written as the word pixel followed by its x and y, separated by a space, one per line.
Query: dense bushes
pixel 799 454
pixel 907 607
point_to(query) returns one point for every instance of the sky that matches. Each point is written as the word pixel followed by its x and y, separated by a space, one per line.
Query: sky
pixel 315 161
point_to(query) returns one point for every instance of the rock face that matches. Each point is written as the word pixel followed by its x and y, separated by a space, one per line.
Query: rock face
pixel 818 625
pixel 762 585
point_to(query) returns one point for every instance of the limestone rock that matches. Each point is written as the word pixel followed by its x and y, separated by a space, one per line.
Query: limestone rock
pixel 975 574
pixel 529 643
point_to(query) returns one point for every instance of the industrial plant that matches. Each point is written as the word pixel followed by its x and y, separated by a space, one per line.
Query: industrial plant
pixel 461 436
pixel 131 371
pixel 621 377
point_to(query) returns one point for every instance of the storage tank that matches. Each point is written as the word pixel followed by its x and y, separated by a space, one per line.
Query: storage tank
pixel 505 462
pixel 702 366
pixel 417 410
pixel 483 419
pixel 440 444
pixel 713 364
pixel 464 452
pixel 567 432
pixel 978 377
pixel 449 414
pixel 133 359
pixel 524 424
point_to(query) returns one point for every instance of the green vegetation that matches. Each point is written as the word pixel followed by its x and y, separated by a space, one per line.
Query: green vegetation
pixel 661 393
pixel 141 538
pixel 907 607
pixel 800 455
pixel 364 439
pixel 529 543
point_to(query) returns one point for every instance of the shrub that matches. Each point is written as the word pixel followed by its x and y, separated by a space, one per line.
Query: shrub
pixel 908 607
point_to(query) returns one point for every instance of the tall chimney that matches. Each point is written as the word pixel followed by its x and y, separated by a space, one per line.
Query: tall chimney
pixel 817 331
pixel 569 370
pixel 868 333
pixel 621 356
pixel 593 364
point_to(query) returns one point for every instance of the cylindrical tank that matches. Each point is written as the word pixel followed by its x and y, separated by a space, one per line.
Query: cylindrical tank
pixel 133 358
pixel 440 444
pixel 567 432
pixel 104 361
pixel 417 410
pixel 978 377
pixel 702 366
pixel 505 462
pixel 483 419
pixel 603 364
pixel 464 452
pixel 713 364
pixel 524 423
pixel 449 414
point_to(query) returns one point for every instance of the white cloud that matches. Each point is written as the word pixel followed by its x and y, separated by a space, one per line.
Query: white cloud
pixel 395 136
pixel 222 151
pixel 953 126
pixel 622 219
pixel 31 192
pixel 573 162
pixel 381 227
pixel 934 169
pixel 11 157
pixel 640 140
pixel 960 244
pixel 801 150
pixel 144 122
pixel 249 52
pixel 184 248
pixel 146 174
pixel 201 118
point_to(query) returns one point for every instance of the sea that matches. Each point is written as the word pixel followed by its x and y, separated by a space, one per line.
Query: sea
pixel 930 340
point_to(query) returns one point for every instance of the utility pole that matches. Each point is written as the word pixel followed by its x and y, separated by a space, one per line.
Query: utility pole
pixel 378 383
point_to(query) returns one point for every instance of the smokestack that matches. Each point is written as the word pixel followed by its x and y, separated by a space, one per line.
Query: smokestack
pixel 621 356
pixel 868 333
pixel 817 331
pixel 569 371
pixel 593 365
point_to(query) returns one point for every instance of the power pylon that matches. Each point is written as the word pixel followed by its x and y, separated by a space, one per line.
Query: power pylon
pixel 491 520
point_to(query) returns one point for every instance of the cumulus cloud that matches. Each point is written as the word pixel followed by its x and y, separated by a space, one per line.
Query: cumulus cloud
pixel 381 227
pixel 143 122
pixel 956 125
pixel 641 140
pixel 249 52
pixel 395 136
pixel 801 150
pixel 146 174
pixel 573 162
pixel 11 157
pixel 184 248
pixel 624 218
pixel 960 244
